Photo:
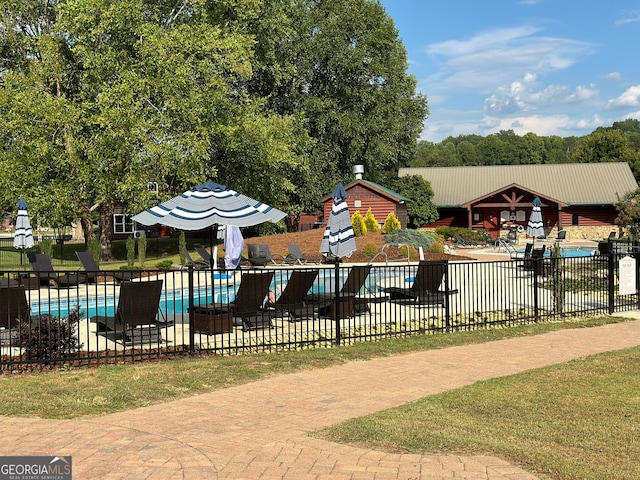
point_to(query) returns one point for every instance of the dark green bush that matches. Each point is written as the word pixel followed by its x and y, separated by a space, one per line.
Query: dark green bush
pixel 164 265
pixel 467 234
pixel 46 337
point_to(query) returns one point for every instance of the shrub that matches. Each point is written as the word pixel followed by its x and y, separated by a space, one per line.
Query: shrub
pixel 391 224
pixel 182 244
pixel 164 265
pixel 369 250
pixel 131 252
pixel 436 247
pixel 46 246
pixel 93 246
pixel 46 337
pixel 467 234
pixel 414 238
pixel 370 222
pixel 142 250
pixel 359 228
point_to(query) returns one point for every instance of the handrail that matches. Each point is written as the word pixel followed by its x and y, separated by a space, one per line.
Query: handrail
pixel 508 247
pixel 386 257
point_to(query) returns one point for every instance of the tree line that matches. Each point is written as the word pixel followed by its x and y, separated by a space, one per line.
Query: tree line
pixel 617 143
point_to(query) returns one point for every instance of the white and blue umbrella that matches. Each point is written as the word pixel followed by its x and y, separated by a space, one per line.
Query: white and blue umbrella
pixel 23 238
pixel 207 205
pixel 339 240
pixel 535 227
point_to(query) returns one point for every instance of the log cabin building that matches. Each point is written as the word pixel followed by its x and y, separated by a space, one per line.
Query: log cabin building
pixel 578 197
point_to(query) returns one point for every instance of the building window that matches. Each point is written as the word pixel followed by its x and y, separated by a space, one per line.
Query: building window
pixel 123 224
pixel 575 220
pixel 357 203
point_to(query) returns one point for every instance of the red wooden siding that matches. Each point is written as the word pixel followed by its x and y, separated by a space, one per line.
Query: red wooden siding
pixel 589 216
pixel 380 206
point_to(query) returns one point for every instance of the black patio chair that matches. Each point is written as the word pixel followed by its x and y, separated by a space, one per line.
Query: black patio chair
pixel 136 318
pixel 425 289
pixel 46 275
pixel 14 308
pixel 93 271
pixel 291 301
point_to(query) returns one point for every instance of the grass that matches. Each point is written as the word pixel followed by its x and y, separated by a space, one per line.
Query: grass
pixel 579 420
pixel 73 393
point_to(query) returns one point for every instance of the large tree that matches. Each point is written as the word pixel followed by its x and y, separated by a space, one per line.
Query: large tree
pixel 126 92
pixel 341 65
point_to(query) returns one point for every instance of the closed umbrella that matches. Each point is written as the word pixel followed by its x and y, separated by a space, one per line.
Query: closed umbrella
pixel 535 227
pixel 339 239
pixel 23 238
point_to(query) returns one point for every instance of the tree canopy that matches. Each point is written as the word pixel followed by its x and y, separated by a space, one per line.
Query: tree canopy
pixel 277 99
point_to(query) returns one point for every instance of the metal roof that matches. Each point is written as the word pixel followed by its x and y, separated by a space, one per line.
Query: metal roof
pixel 384 191
pixel 572 183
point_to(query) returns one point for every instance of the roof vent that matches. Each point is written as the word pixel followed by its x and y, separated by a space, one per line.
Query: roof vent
pixel 358 170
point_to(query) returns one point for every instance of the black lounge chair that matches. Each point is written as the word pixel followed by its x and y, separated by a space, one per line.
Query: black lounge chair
pixel 525 255
pixel 197 264
pixel 136 318
pixel 561 237
pixel 425 289
pixel 295 253
pixel 260 255
pixel 535 261
pixel 93 271
pixel 205 255
pixel 14 308
pixel 46 275
pixel 291 301
pixel 247 306
pixel 350 300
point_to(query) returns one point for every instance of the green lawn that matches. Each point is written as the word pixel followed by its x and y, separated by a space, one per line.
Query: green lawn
pixel 579 420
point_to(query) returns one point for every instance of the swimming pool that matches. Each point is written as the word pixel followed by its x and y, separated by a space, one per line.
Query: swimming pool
pixel 568 252
pixel 176 301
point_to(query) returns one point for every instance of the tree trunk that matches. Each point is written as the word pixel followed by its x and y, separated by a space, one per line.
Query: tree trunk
pixel 86 223
pixel 106 227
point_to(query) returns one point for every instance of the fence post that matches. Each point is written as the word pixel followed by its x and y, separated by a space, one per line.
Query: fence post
pixel 336 307
pixel 536 265
pixel 447 317
pixel 192 333
pixel 611 287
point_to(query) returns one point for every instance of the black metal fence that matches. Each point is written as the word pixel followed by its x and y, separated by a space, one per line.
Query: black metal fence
pixel 75 318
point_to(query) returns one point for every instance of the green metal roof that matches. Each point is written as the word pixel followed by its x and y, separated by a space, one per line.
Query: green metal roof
pixel 571 183
pixel 376 187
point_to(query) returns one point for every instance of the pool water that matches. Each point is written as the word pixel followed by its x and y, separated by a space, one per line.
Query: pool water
pixel 569 252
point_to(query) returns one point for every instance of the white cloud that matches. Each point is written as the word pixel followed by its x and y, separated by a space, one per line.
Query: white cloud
pixel 521 96
pixel 629 98
pixel 613 76
pixel 496 57
pixel 582 94
pixel 629 17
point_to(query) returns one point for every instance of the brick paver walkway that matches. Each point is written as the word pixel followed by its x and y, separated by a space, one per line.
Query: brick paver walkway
pixel 260 430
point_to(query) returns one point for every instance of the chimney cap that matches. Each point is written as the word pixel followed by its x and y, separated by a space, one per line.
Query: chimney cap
pixel 358 169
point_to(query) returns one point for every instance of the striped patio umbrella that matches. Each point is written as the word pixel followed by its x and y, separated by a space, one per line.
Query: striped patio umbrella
pixel 535 227
pixel 207 205
pixel 23 237
pixel 339 240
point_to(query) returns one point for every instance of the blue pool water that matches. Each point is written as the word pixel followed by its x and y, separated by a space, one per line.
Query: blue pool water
pixel 569 252
pixel 173 301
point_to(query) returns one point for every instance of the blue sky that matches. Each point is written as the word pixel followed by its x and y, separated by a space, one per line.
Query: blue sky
pixel 552 67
